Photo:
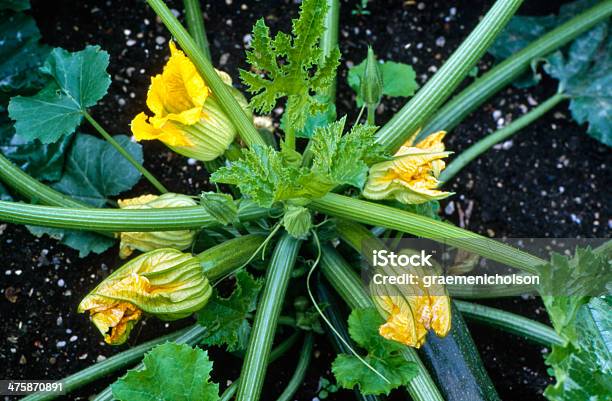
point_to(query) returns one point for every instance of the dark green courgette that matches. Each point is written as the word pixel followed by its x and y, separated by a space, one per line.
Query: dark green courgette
pixel 455 365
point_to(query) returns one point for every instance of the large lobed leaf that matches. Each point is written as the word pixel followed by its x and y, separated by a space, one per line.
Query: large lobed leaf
pixel 77 81
pixel 15 5
pixel 383 355
pixel 291 66
pixel 171 371
pixel 226 318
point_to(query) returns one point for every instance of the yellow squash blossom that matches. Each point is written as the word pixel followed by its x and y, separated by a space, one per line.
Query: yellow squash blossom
pixel 411 310
pixel 166 283
pixel 148 241
pixel 185 117
pixel 412 176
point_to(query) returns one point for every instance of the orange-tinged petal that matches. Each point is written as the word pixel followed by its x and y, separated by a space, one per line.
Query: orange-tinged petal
pixel 170 134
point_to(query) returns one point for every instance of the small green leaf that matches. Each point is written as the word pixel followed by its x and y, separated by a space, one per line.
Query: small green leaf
pixel 297 221
pixel 291 66
pixel 220 206
pixel 226 318
pixel 79 80
pixel 171 371
pixel 383 355
pixel 21 54
pixel 399 79
pixel 345 158
pixel 95 170
pixel 83 241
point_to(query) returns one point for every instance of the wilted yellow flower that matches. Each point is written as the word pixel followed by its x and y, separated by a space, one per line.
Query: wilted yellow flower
pixel 185 117
pixel 166 283
pixel 148 241
pixel 411 310
pixel 412 176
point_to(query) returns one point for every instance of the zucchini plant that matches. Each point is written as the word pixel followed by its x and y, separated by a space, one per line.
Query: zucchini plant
pixel 296 199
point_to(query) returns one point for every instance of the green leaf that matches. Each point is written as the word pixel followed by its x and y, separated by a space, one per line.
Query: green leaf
pixel 266 176
pixel 171 371
pixel 297 221
pixel 43 162
pixel 582 369
pixel 83 241
pixel 399 79
pixel 314 121
pixel 15 5
pixel 79 80
pixel 220 206
pixel 226 318
pixel 21 54
pixel 345 158
pixel 566 285
pixel 95 170
pixel 290 66
pixel 383 355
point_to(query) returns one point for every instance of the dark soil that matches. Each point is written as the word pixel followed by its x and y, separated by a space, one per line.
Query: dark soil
pixel 549 181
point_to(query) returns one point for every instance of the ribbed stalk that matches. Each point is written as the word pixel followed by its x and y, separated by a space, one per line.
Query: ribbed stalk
pixel 329 39
pixel 276 353
pixel 191 337
pixel 109 138
pixel 228 103
pixel 300 370
pixel 106 367
pixel 350 288
pixel 395 219
pixel 465 157
pixel 264 326
pixel 195 24
pixel 511 68
pixel 117 220
pixel 510 322
pixel 489 291
pixel 32 189
pixel 435 92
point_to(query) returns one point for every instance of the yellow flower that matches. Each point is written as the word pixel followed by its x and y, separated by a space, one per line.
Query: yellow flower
pixel 148 241
pixel 412 176
pixel 185 117
pixel 166 283
pixel 411 310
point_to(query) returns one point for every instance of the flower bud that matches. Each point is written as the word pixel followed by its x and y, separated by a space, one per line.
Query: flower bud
pixel 148 241
pixel 412 176
pixel 371 85
pixel 185 117
pixel 166 283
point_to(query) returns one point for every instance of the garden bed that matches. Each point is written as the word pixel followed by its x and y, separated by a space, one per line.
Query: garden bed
pixel 549 181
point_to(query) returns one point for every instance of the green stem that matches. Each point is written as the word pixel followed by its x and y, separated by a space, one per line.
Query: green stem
pixel 371 115
pixel 416 112
pixel 300 370
pixel 118 220
pixel 266 316
pixel 530 329
pixel 32 189
pixel 276 353
pixel 125 153
pixel 348 285
pixel 195 24
pixel 488 141
pixel 411 223
pixel 106 367
pixel 511 68
pixel 329 39
pixel 191 337
pixel 220 90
